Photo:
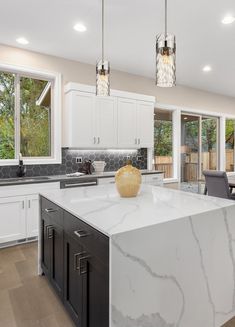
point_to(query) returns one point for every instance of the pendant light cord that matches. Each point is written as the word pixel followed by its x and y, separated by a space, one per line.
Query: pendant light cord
pixel 165 18
pixel 102 31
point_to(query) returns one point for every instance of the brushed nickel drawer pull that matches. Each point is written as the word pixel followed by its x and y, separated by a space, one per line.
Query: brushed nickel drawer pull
pixel 81 233
pixel 80 184
pixel 49 210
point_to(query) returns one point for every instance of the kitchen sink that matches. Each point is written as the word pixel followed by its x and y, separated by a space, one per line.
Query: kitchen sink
pixel 23 179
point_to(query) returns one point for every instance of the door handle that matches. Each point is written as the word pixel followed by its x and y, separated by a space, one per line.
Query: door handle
pixel 81 233
pixel 82 264
pixel 75 260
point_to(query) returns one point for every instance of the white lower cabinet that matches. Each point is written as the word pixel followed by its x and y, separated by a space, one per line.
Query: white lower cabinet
pixel 150 179
pixel 19 215
pixel 12 219
pixel 32 215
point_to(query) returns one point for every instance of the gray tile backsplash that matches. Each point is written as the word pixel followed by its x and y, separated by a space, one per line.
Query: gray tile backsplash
pixel 113 158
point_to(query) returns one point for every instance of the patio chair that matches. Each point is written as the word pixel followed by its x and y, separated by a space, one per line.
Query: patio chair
pixel 217 184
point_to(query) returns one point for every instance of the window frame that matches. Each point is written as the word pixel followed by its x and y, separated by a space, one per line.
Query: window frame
pixel 55 79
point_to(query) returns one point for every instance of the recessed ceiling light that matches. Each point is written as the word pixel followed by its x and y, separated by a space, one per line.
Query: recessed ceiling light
pixel 228 20
pixel 79 27
pixel 185 118
pixel 207 68
pixel 22 40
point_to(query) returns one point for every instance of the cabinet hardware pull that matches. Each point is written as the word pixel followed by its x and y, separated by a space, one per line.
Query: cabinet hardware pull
pixel 94 140
pixel 29 205
pixel 75 260
pixel 83 268
pixel 139 141
pixel 49 229
pixel 49 210
pixel 22 204
pixel 81 233
pixel 80 184
pixel 135 141
pixel 98 140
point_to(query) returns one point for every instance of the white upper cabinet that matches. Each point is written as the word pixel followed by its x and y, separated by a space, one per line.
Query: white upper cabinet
pixel 106 122
pixel 127 123
pixel 79 120
pixel 145 124
pixel 123 120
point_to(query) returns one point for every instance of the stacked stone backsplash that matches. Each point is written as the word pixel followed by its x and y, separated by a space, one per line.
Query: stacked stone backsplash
pixel 113 158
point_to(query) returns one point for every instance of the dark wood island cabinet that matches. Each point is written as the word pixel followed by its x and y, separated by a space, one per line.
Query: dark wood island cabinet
pixel 75 259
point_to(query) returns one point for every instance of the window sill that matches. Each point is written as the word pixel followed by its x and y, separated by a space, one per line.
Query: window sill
pixel 15 162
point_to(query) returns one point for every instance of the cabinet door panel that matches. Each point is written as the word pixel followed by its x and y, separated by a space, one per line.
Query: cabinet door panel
pixel 32 215
pixel 56 233
pixel 12 219
pixel 97 293
pixel 81 112
pixel 127 133
pixel 73 281
pixel 106 120
pixel 46 245
pixel 145 123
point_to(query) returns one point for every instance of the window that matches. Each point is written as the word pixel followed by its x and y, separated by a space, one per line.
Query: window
pixel 25 116
pixel 229 144
pixel 163 142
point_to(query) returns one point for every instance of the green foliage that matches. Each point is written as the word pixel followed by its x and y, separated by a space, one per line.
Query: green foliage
pixel 229 133
pixel 34 119
pixel 7 109
pixel 162 138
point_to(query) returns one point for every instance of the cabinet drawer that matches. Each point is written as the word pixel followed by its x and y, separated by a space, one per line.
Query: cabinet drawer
pixel 52 210
pixel 94 241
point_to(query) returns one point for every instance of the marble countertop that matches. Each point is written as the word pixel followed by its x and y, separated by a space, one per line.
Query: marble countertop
pixel 60 178
pixel 103 208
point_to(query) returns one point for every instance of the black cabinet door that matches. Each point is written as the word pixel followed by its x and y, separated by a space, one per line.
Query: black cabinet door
pixel 46 245
pixel 73 280
pixel 56 235
pixel 96 293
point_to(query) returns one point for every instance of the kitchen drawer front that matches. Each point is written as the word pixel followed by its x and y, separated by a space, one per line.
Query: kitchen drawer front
pixel 94 241
pixel 105 181
pixel 154 179
pixel 52 210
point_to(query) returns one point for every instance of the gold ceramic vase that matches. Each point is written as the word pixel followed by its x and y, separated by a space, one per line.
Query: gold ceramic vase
pixel 128 181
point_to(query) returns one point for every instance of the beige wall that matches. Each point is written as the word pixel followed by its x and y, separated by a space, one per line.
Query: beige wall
pixel 73 71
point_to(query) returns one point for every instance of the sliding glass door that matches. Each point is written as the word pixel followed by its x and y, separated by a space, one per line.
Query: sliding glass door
pixel 199 146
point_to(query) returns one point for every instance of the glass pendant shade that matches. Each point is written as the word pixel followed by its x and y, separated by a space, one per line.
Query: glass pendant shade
pixel 102 78
pixel 165 60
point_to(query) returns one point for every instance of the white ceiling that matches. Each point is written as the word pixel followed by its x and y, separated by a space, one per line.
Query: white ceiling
pixel 131 27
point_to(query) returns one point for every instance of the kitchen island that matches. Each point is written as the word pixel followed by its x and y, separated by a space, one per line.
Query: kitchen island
pixel 163 259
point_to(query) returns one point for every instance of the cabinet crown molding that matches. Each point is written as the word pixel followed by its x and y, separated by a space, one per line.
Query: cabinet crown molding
pixel 69 87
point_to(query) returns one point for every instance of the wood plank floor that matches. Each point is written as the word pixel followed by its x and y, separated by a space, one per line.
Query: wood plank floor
pixel 26 299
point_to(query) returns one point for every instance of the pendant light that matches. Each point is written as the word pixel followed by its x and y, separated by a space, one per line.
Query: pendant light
pixel 102 68
pixel 165 58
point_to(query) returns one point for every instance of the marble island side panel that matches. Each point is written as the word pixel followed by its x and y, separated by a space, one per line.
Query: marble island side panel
pixel 175 274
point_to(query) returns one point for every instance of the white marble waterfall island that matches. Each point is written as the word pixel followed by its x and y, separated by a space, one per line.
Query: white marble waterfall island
pixel 171 254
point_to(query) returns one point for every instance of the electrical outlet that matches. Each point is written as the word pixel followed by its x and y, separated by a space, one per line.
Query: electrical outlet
pixel 78 159
pixel 139 158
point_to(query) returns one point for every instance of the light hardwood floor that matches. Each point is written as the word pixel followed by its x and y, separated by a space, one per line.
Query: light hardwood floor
pixel 26 299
